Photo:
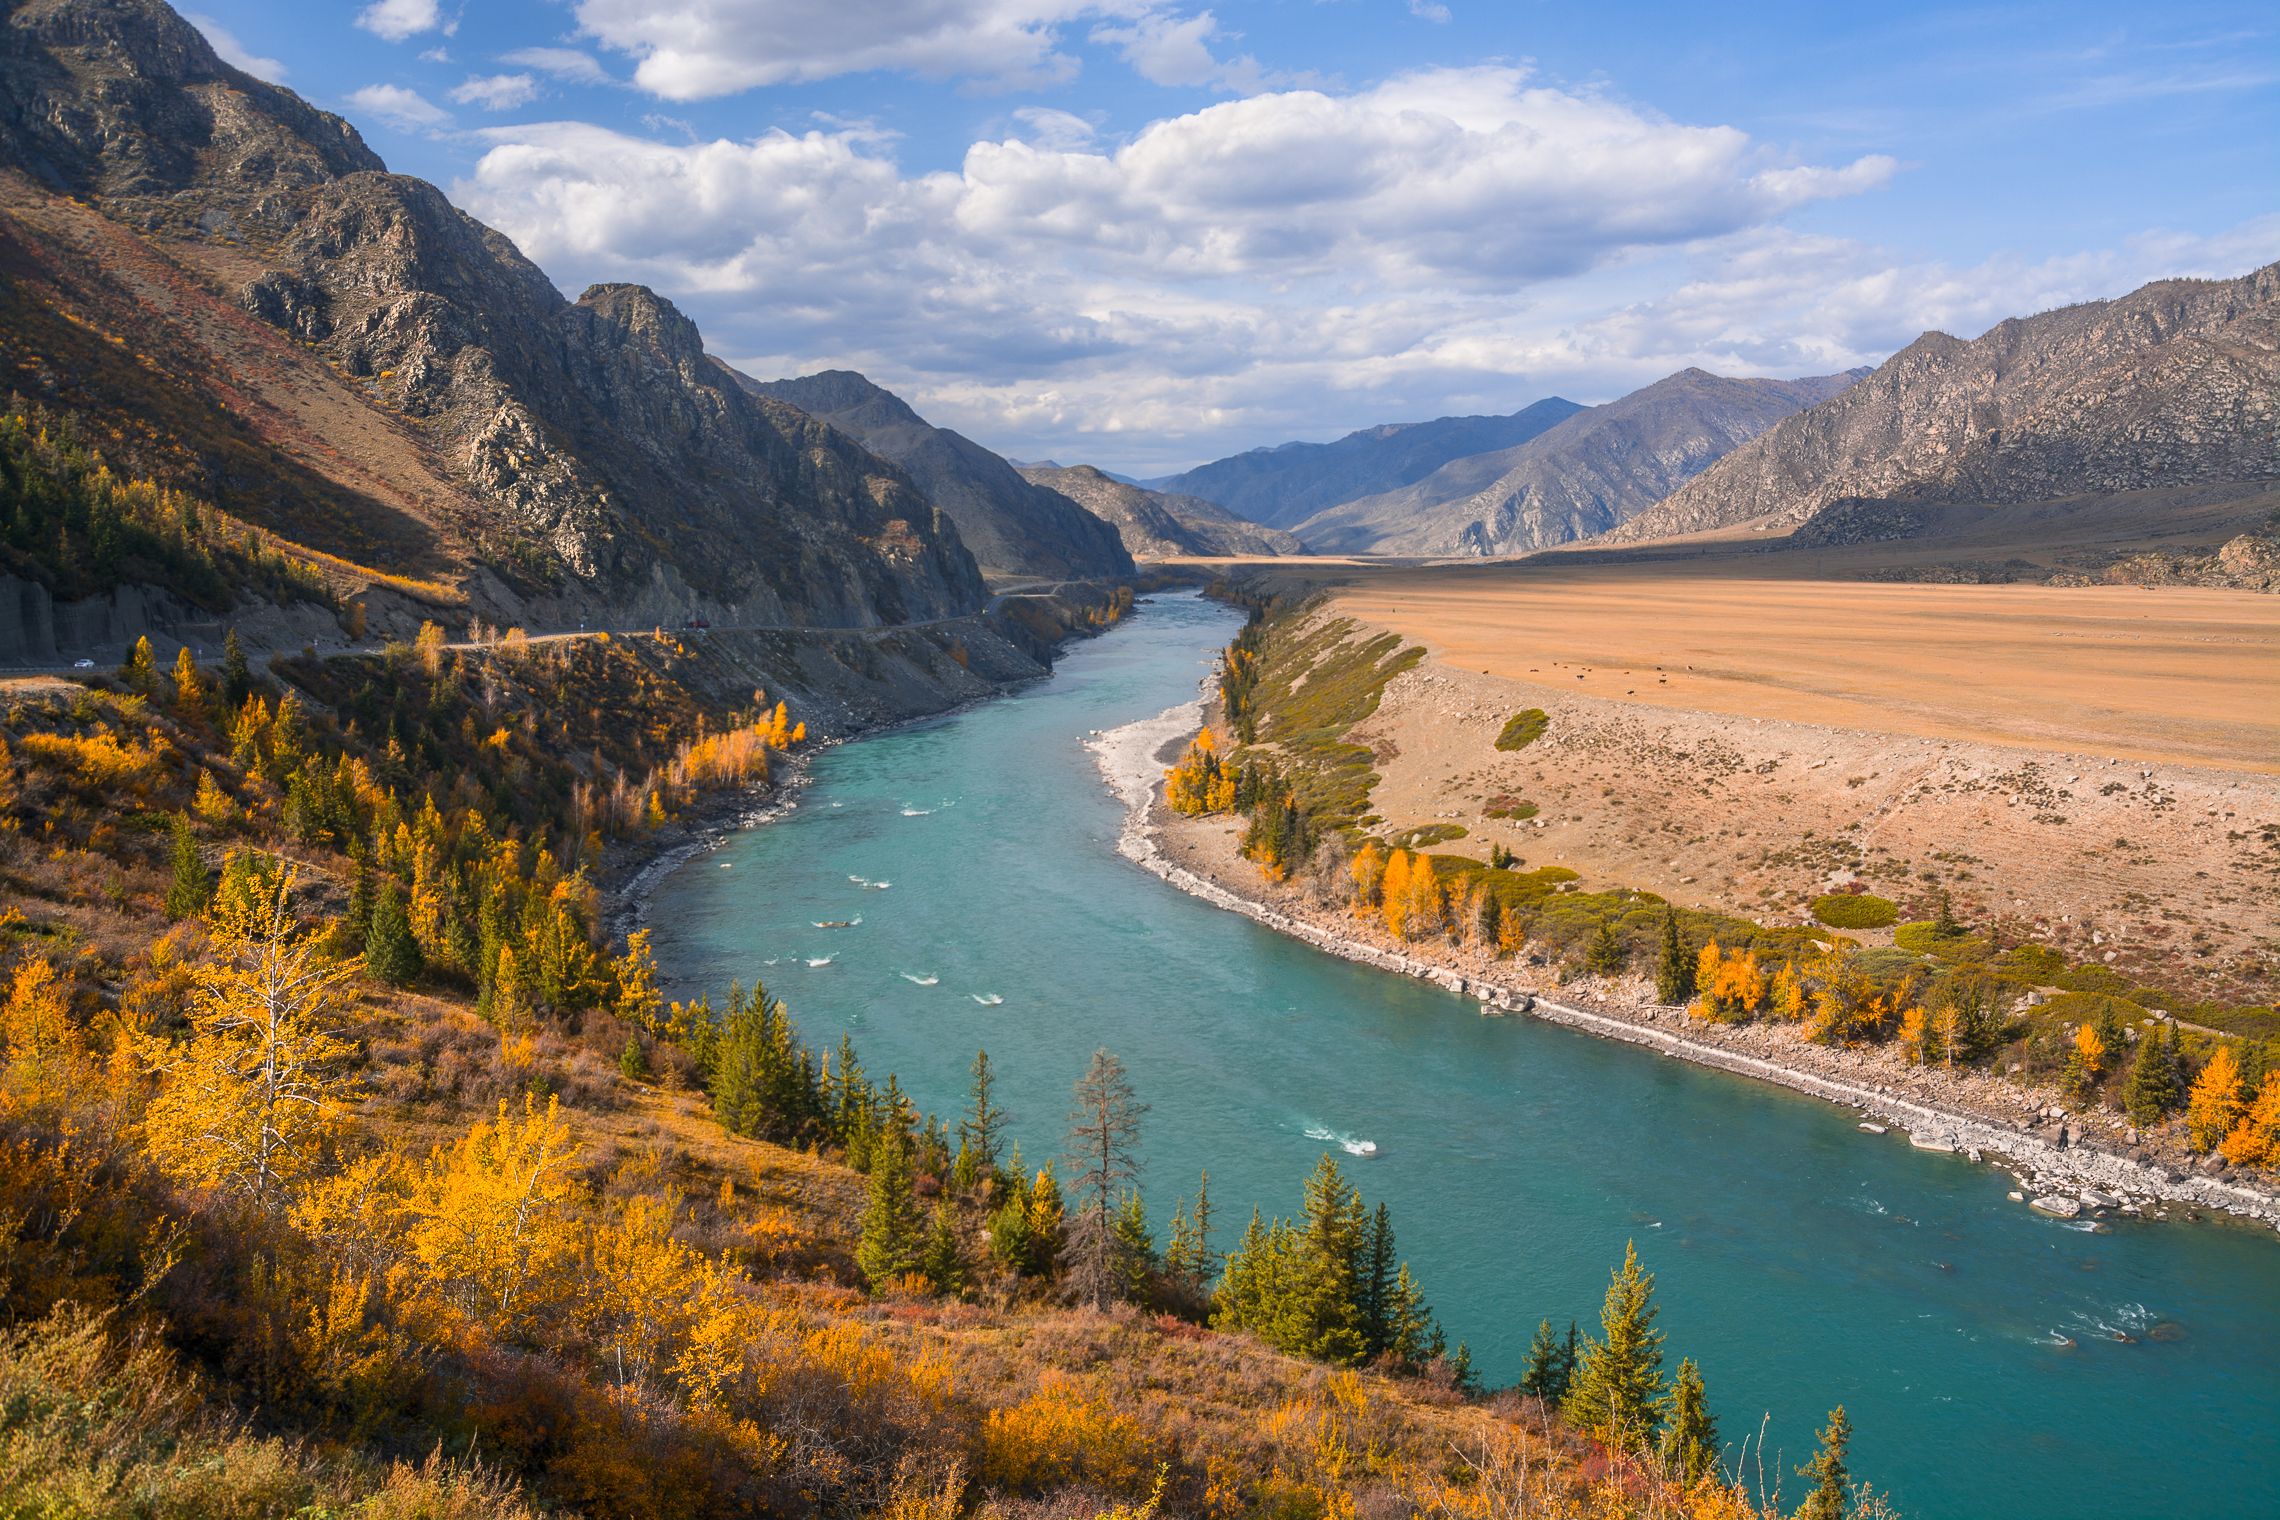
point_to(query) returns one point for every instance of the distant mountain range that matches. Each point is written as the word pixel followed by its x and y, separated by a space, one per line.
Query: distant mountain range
pixel 1595 470
pixel 2174 385
pixel 1284 486
pixel 1013 527
pixel 1157 524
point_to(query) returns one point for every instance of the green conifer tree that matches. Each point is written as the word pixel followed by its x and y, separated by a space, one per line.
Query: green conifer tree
pixel 2157 1082
pixel 1545 1374
pixel 890 1246
pixel 140 668
pixel 191 889
pixel 1606 957
pixel 237 676
pixel 391 954
pixel 1674 972
pixel 1830 1479
pixel 982 1131
pixel 943 1260
pixel 1135 1248
pixel 1617 1391
pixel 1690 1441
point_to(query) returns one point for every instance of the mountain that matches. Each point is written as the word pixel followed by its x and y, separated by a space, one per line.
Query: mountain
pixel 1013 527
pixel 1284 485
pixel 1599 468
pixel 304 316
pixel 2175 384
pixel 1157 524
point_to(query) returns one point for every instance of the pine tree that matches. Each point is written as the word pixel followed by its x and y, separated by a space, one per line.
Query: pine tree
pixel 237 677
pixel 1374 1285
pixel 1618 1386
pixel 890 1246
pixel 390 952
pixel 983 1128
pixel 1690 1444
pixel 140 669
pixel 190 890
pixel 2157 1082
pixel 1104 1131
pixel 1136 1247
pixel 1606 957
pixel 1545 1375
pixel 942 1260
pixel 1827 1471
pixel 1674 973
pixel 633 1061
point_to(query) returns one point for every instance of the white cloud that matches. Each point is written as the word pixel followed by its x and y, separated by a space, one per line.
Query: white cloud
pixel 234 52
pixel 689 52
pixel 1176 50
pixel 396 20
pixel 563 63
pixel 405 110
pixel 1293 264
pixel 496 92
pixel 1429 10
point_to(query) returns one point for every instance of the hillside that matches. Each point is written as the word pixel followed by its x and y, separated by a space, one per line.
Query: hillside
pixel 1013 527
pixel 1158 524
pixel 2176 384
pixel 301 317
pixel 1282 486
pixel 1594 471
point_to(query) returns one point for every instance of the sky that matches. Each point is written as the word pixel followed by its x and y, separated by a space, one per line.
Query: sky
pixel 1147 233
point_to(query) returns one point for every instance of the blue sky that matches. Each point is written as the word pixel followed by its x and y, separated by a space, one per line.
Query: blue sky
pixel 1144 233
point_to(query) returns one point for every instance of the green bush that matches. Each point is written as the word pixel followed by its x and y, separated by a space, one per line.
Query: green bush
pixel 1523 729
pixel 1519 809
pixel 1426 834
pixel 1923 937
pixel 1855 910
pixel 2037 963
pixel 2094 979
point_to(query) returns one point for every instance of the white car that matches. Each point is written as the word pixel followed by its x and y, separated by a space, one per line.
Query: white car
pixel 82 664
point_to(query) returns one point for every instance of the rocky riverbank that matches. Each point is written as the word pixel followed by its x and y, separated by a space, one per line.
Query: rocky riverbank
pixel 2062 1164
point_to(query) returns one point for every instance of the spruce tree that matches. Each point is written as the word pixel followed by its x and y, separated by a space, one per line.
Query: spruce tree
pixel 1374 1285
pixel 981 1131
pixel 1545 1375
pixel 890 1246
pixel 633 1061
pixel 1827 1472
pixel 1136 1248
pixel 1690 1444
pixel 1674 973
pixel 190 891
pixel 390 952
pixel 1606 957
pixel 942 1260
pixel 237 677
pixel 2157 1083
pixel 1617 1391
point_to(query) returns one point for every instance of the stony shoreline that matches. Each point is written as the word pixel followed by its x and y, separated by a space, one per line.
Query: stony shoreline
pixel 2070 1177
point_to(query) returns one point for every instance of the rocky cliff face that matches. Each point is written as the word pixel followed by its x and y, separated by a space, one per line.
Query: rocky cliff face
pixel 1014 527
pixel 2175 384
pixel 1281 487
pixel 1158 524
pixel 1597 469
pixel 613 464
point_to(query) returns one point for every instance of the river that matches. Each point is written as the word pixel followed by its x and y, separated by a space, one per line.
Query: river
pixel 1801 1262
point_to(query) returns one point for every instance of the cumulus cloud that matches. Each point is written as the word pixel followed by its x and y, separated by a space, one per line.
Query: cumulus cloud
pixel 396 20
pixel 405 110
pixel 496 92
pixel 1176 50
pixel 1292 264
pixel 234 52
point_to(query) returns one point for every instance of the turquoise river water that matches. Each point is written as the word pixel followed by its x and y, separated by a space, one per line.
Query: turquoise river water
pixel 1801 1262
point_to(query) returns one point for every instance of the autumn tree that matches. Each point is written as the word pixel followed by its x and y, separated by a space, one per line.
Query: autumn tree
pixel 1104 1132
pixel 247 1103
pixel 189 689
pixel 2255 1139
pixel 1617 1391
pixel 2215 1106
pixel 2085 1060
pixel 492 1217
pixel 140 669
pixel 1831 1481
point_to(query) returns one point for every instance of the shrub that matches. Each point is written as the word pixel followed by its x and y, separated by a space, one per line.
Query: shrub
pixel 1855 910
pixel 1924 938
pixel 1523 729
pixel 2094 979
pixel 1426 834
